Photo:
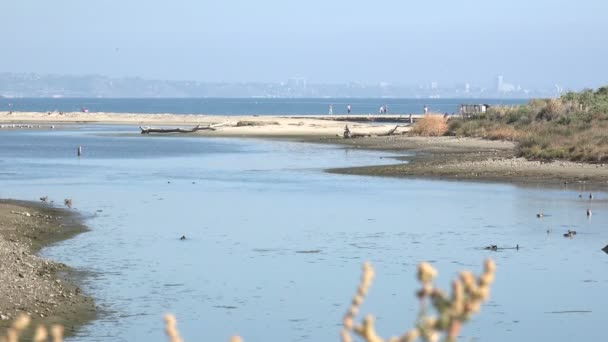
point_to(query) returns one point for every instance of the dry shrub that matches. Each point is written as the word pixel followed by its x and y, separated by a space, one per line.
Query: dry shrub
pixel 502 132
pixel 430 126
pixel 451 311
pixel 576 142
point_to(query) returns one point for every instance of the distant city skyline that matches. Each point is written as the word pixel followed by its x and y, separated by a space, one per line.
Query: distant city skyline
pixel 49 85
pixel 537 43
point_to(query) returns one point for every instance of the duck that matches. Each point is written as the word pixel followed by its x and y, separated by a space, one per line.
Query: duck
pixel 567 235
pixel 573 232
pixel 589 213
pixel 539 215
pixel 183 237
pixel 44 199
pixel 590 196
pixel 492 247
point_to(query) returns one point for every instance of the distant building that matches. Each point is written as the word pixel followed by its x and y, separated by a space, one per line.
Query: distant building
pixel 499 83
pixel 502 86
pixel 296 83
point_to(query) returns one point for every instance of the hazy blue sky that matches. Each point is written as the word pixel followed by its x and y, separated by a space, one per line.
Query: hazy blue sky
pixel 407 42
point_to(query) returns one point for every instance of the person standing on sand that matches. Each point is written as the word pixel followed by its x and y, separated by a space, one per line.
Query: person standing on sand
pixel 426 109
pixel 381 110
pixel 331 110
pixel 348 108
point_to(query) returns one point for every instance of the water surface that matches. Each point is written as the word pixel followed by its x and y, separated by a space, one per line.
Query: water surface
pixel 275 245
pixel 243 106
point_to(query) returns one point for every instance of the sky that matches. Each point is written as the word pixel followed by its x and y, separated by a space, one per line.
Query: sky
pixel 529 42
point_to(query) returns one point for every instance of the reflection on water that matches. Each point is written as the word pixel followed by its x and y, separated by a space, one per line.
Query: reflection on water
pixel 274 245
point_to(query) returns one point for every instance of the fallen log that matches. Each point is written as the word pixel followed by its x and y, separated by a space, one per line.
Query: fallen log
pixel 392 131
pixel 148 130
pixel 349 135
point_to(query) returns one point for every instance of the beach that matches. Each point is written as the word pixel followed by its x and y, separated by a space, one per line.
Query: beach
pixel 251 125
pixel 44 289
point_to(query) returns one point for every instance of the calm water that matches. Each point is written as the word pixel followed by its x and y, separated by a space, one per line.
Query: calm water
pixel 255 206
pixel 243 106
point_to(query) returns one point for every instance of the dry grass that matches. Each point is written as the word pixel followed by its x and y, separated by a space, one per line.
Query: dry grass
pixel 502 132
pixel 582 143
pixel 430 126
pixel 468 293
pixel 573 127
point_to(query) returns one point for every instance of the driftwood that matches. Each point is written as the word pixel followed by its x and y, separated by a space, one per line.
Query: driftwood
pixel 349 135
pixel 148 130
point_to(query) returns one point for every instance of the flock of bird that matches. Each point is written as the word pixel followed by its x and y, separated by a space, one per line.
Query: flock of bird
pixel 568 234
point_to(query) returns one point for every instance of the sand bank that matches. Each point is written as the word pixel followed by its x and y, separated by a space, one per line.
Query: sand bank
pixel 437 157
pixel 252 125
pixel 30 284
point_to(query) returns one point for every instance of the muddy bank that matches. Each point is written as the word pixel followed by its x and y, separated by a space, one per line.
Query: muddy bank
pixel 469 159
pixel 44 289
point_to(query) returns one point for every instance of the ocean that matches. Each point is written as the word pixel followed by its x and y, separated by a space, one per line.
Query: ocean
pixel 275 245
pixel 225 106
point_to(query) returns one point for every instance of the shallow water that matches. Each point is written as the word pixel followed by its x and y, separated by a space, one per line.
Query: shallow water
pixel 275 245
pixel 243 106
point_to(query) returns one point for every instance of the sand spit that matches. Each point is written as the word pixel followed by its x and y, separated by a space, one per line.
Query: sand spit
pixel 250 125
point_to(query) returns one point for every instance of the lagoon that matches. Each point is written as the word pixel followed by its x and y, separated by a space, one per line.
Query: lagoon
pixel 275 245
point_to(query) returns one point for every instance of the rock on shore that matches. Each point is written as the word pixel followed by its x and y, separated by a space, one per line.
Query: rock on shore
pixel 31 284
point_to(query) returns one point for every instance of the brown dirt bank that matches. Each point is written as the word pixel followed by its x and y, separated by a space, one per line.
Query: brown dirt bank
pixel 470 159
pixel 31 284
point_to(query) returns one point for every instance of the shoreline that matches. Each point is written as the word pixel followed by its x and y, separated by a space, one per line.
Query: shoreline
pixel 46 290
pixel 470 159
pixel 446 158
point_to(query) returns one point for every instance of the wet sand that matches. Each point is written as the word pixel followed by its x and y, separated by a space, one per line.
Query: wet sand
pixel 44 289
pixel 469 159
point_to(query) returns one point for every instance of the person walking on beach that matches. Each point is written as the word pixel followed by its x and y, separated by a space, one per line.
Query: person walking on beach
pixel 331 110
pixel 381 110
pixel 348 108
pixel 426 109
